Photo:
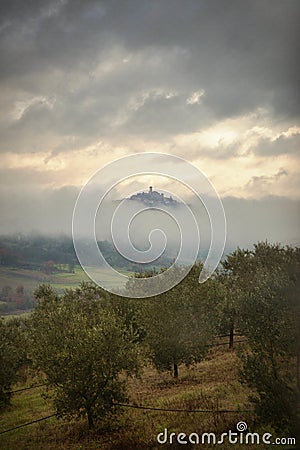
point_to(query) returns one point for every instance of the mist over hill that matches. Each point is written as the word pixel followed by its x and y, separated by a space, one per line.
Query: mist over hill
pixel 49 213
pixel 50 254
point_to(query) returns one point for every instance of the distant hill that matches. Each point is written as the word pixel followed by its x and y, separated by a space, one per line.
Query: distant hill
pixel 152 198
pixel 55 254
pixel 27 261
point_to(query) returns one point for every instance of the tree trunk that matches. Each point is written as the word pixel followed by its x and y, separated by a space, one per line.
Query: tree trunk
pixel 90 419
pixel 175 370
pixel 231 333
pixel 298 372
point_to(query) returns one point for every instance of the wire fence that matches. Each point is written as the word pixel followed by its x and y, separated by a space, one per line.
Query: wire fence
pixel 217 344
pixel 215 411
pixel 26 388
pixel 148 408
pixel 28 423
pixel 128 405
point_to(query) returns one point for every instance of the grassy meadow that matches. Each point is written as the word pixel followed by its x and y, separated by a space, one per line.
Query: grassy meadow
pixel 212 384
pixel 31 279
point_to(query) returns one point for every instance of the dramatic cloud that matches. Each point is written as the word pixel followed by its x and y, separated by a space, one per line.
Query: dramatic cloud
pixel 85 82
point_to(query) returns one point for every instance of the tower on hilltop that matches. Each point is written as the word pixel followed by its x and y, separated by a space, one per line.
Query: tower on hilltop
pixel 153 198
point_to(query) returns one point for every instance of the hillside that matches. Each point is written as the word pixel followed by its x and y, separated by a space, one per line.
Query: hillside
pixel 17 285
pixel 27 261
pixel 212 384
pixel 53 254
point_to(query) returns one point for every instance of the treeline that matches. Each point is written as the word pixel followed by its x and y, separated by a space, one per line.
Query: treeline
pixel 57 254
pixel 34 251
pixel 15 299
pixel 85 341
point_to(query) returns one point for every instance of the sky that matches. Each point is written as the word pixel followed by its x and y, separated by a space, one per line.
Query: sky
pixel 83 83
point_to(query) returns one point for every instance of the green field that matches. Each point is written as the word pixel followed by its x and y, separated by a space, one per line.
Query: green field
pixel 31 279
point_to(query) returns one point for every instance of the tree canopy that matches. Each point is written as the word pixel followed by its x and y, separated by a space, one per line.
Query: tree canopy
pixel 82 348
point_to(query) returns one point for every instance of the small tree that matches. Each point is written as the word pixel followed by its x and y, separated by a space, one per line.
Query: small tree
pixel 179 323
pixel 270 319
pixel 82 348
pixel 233 280
pixel 71 267
pixel 12 356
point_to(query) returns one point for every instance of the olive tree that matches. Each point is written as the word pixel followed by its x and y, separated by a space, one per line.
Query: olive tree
pixel 12 357
pixel 233 278
pixel 270 319
pixel 178 324
pixel 82 347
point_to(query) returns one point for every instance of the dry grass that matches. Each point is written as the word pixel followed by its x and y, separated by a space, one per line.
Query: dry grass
pixel 212 384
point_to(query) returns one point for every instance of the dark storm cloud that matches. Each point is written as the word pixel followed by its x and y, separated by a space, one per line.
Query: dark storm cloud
pixel 281 145
pixel 91 59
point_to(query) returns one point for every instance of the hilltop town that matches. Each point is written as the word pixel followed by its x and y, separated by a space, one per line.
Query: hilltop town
pixel 153 198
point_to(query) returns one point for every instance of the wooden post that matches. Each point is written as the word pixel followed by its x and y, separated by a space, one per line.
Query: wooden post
pixel 175 370
pixel 231 334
